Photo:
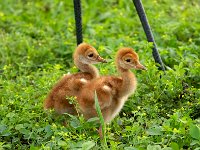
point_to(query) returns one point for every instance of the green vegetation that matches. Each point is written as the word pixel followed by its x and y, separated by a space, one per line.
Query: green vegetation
pixel 37 39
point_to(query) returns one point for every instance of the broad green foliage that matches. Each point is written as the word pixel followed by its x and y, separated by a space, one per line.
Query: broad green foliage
pixel 37 39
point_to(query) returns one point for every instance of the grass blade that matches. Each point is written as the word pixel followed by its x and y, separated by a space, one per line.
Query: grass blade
pixel 98 109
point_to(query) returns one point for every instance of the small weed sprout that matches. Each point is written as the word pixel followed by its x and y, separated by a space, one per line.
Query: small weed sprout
pixel 72 100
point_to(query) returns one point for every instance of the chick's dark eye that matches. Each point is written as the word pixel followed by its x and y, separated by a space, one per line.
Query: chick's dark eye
pixel 90 55
pixel 128 60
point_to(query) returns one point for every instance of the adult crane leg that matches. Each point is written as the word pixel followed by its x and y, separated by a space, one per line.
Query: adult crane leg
pixel 147 29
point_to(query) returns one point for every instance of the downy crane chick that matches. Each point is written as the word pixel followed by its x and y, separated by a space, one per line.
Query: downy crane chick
pixel 70 85
pixel 112 92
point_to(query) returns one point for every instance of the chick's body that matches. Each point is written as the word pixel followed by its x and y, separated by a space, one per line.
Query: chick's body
pixel 109 95
pixel 68 86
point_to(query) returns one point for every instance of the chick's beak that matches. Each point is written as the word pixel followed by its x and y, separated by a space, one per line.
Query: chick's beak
pixel 100 59
pixel 140 66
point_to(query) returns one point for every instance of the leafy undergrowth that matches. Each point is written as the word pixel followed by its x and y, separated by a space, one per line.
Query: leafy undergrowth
pixel 37 39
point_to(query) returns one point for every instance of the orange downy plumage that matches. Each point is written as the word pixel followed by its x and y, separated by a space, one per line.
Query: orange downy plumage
pixel 69 85
pixel 112 92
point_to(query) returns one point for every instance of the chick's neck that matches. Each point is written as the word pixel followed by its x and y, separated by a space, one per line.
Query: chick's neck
pixel 129 82
pixel 87 68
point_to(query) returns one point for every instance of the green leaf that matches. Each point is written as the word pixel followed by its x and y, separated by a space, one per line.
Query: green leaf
pixel 32 147
pixel 194 142
pixel 88 145
pixel 167 148
pixel 19 126
pixel 75 123
pixel 48 131
pixel 174 146
pixel 130 148
pixel 195 132
pixel 62 143
pixel 93 119
pixel 24 131
pixel 10 115
pixel 153 147
pixel 4 131
pixel 156 130
pixel 2 128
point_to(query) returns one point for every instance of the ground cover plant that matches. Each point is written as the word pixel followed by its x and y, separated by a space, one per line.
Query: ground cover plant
pixel 37 39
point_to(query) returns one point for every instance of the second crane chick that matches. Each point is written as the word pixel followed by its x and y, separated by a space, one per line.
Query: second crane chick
pixel 112 92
